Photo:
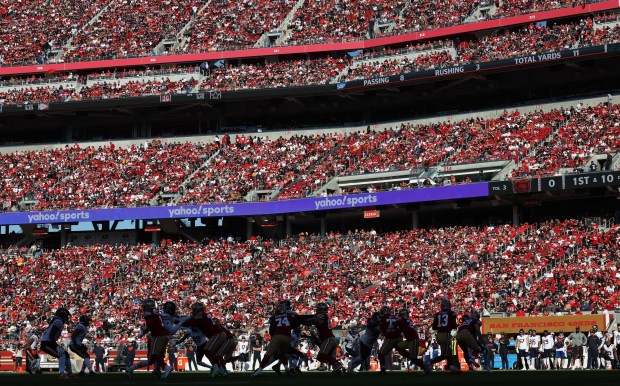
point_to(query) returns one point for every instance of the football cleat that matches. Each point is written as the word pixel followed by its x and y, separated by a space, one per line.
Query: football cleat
pixel 257 373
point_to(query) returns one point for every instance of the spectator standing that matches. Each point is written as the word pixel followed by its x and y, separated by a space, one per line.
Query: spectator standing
pixel 503 350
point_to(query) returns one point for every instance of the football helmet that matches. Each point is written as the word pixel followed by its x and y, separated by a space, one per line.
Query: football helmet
pixel 148 305
pixel 465 317
pixel 385 310
pixel 286 304
pixel 321 308
pixel 475 315
pixel 445 305
pixel 404 313
pixel 63 314
pixel 280 308
pixel 170 308
pixel 85 320
pixel 198 308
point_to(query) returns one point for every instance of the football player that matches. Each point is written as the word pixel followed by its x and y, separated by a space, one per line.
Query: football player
pixel 280 326
pixel 470 339
pixel 50 346
pixel 216 337
pixel 547 350
pixel 443 323
pixel 33 361
pixel 367 340
pixel 409 348
pixel 534 348
pixel 77 344
pixel 200 341
pixel 328 342
pixel 159 337
pixel 522 346
pixel 227 351
pixel 392 334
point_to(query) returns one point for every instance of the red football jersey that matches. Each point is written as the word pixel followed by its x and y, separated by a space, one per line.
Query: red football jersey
pixel 205 324
pixel 323 326
pixel 389 327
pixel 155 325
pixel 281 324
pixel 408 329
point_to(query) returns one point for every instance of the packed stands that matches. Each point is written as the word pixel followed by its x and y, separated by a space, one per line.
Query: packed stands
pixel 499 267
pixel 540 144
pixel 273 75
pixel 584 131
pixel 255 163
pixel 328 21
pixel 118 29
pixel 528 40
pixel 229 24
pixel 130 29
pixel 72 177
pixel 30 30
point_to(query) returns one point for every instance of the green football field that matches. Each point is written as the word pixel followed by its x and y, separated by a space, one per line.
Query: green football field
pixel 498 378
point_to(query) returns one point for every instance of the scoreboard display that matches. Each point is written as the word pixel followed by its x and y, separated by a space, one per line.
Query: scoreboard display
pixel 555 183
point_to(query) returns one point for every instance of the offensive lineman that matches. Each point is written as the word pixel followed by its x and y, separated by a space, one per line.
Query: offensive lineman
pixel 159 328
pixel 328 341
pixel 280 326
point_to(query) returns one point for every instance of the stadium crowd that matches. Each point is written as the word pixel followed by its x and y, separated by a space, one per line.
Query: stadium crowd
pixel 229 24
pixel 539 143
pixel 527 40
pixel 555 266
pixel 118 29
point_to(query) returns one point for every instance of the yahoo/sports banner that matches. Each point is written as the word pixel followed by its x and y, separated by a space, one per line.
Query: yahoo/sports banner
pixel 483 66
pixel 250 208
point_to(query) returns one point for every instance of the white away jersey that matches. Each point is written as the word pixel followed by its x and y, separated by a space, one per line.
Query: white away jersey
pixel 547 342
pixel 522 342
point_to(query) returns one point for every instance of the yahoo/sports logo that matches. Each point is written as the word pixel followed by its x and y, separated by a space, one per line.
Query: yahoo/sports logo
pixel 328 202
pixel 201 211
pixel 58 216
